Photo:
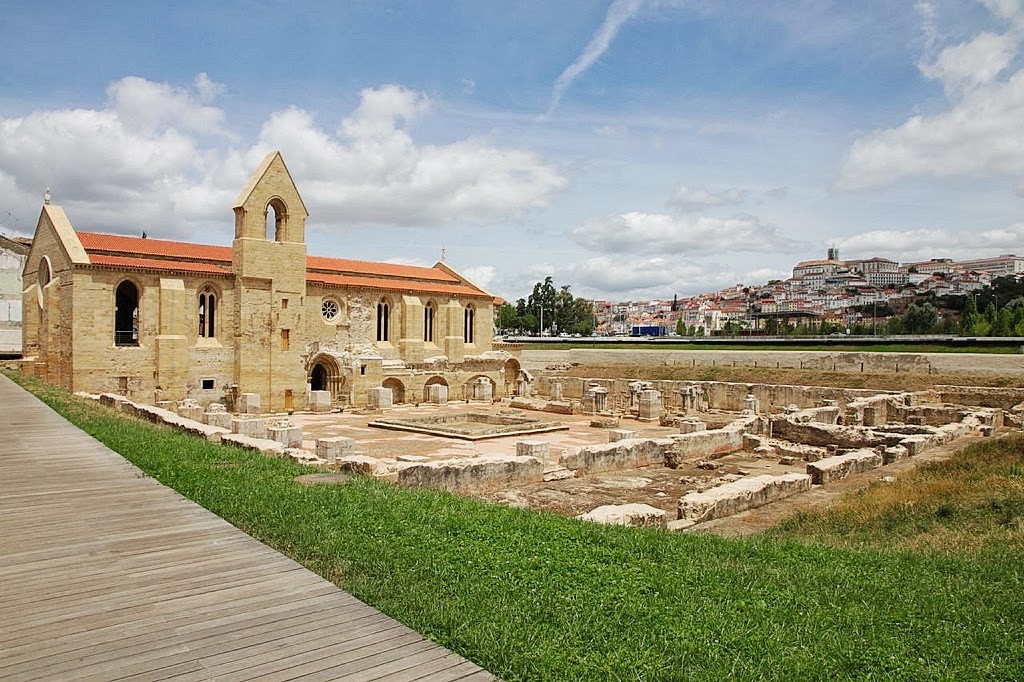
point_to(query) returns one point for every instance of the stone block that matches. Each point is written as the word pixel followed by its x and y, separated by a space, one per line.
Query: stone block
pixel 221 419
pixel 290 436
pixel 533 448
pixel 319 401
pixel 379 398
pixel 248 427
pixel 482 390
pixel 249 403
pixel 692 426
pixel 487 472
pixel 738 496
pixel 332 449
pixel 649 405
pixel 437 394
pixel 894 453
pixel 264 445
pixel 620 434
pixel 556 391
pixel 636 515
pixel 839 467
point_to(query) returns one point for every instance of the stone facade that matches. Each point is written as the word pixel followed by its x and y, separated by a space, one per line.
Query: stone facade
pixel 160 320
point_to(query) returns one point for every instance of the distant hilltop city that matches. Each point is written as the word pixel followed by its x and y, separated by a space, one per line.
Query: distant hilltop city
pixel 859 295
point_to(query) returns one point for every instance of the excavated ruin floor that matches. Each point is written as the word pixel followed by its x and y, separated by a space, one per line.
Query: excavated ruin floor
pixel 656 485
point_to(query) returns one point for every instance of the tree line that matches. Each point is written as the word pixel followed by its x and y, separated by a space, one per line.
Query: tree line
pixel 547 310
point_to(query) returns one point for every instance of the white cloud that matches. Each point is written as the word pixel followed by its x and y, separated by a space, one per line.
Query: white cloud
pixel 690 199
pixel 972 63
pixel 481 275
pixel 923 244
pixel 161 157
pixel 608 277
pixel 618 13
pixel 374 172
pixel 979 134
pixel 657 233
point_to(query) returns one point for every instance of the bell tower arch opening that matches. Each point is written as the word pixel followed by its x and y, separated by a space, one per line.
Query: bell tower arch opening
pixel 276 214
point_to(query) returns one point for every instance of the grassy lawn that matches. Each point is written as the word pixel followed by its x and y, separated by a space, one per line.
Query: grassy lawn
pixel 532 596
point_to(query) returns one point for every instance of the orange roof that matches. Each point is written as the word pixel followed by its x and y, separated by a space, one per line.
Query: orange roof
pixel 392 284
pixel 358 267
pixel 156 264
pixel 123 251
pixel 94 241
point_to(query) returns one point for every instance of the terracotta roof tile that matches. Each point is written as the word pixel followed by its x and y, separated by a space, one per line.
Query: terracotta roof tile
pixel 120 250
pixel 358 267
pixel 157 264
pixel 116 243
pixel 393 284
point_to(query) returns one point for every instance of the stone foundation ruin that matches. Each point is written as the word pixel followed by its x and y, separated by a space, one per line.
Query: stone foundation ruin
pixel 672 454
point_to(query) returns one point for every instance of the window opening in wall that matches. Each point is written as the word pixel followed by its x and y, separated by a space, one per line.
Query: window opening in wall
pixel 428 322
pixel 207 384
pixel 126 314
pixel 207 314
pixel 284 304
pixel 44 273
pixel 383 320
pixel 362 370
pixel 285 340
pixel 122 385
pixel 275 220
pixel 469 322
pixel 330 309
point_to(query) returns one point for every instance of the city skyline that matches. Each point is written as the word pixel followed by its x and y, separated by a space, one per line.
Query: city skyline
pixel 627 148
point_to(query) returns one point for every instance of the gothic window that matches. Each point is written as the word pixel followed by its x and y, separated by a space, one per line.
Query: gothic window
pixel 383 320
pixel 469 324
pixel 208 313
pixel 126 314
pixel 428 322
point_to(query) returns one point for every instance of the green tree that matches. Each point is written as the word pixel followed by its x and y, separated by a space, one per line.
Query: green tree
pixel 681 327
pixel 920 319
pixel 969 317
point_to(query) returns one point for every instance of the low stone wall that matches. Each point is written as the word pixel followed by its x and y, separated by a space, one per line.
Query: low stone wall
pixel 720 395
pixel 161 416
pixel 488 472
pixel 631 453
pixel 636 515
pixel 1003 398
pixel 840 466
pixel 822 435
pixel 687 447
pixel 738 496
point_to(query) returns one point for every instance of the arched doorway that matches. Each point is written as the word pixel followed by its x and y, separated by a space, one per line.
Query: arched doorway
pixel 397 390
pixel 325 375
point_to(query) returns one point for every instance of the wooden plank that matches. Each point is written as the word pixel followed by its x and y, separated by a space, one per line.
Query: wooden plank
pixel 106 574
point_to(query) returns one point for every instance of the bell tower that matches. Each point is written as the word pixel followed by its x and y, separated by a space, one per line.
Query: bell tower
pixel 269 261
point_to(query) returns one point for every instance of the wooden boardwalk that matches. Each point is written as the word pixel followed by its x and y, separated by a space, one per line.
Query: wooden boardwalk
pixel 106 575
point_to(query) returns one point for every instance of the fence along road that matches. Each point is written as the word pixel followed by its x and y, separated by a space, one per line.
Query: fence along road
pixel 106 574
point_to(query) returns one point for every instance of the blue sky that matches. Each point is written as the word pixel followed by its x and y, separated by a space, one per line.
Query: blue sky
pixel 633 149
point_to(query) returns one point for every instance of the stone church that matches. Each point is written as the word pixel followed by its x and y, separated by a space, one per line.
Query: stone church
pixel 160 320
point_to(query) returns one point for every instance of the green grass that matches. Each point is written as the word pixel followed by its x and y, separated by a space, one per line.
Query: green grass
pixel 532 596
pixel 974 501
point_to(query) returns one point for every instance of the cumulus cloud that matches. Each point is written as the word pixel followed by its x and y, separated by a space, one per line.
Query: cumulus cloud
pixel 926 243
pixel 608 277
pixel 691 199
pixel 658 233
pixel 618 13
pixel 980 133
pixel 158 155
pixel 373 171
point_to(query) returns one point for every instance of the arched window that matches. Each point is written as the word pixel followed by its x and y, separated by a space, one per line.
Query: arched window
pixel 383 320
pixel 468 323
pixel 126 314
pixel 208 314
pixel 277 216
pixel 428 323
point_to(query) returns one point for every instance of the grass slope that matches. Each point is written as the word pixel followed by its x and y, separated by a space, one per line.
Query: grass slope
pixel 532 596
